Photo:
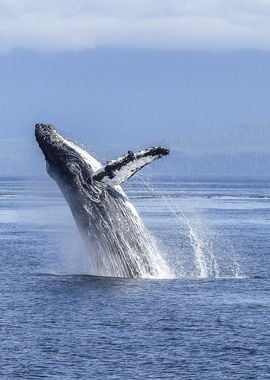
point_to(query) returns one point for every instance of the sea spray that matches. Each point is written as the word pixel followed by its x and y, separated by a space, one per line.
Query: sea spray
pixel 190 250
pixel 197 251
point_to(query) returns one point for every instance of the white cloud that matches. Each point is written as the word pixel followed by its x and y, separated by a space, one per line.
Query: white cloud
pixel 160 24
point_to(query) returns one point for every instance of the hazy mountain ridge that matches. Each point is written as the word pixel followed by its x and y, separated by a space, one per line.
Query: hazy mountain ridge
pixel 23 158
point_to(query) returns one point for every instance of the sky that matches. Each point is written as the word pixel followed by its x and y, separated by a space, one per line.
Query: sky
pixel 125 74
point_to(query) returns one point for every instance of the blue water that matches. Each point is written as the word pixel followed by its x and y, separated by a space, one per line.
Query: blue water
pixel 58 322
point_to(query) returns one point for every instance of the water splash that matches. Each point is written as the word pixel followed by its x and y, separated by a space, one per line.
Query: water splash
pixel 117 245
pixel 195 251
pixel 204 254
pixel 137 252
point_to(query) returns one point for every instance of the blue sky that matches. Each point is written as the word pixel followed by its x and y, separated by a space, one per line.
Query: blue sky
pixel 190 74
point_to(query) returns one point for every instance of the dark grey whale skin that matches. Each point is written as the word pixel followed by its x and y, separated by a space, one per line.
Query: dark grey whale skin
pixel 106 220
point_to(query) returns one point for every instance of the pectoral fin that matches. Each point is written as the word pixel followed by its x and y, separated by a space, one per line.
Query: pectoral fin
pixel 118 171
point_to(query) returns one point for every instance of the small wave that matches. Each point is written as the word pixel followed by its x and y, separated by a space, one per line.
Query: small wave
pixel 203 196
pixel 176 278
pixel 7 196
pixel 69 274
pixel 238 197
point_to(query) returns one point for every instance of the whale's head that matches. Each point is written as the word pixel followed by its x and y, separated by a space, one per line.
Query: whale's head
pixel 65 160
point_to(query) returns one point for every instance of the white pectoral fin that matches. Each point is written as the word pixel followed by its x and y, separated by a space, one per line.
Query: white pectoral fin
pixel 118 171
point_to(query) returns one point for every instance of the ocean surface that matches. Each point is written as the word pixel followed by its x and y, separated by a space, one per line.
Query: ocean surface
pixel 211 321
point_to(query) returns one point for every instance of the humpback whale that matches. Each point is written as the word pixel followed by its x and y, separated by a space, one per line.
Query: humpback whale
pixel 109 224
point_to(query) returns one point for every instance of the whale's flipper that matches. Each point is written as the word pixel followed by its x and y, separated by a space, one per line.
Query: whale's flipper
pixel 118 171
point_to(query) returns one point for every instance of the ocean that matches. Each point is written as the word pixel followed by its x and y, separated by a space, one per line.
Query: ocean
pixel 211 320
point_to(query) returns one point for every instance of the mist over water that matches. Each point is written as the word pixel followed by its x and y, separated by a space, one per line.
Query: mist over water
pixel 81 257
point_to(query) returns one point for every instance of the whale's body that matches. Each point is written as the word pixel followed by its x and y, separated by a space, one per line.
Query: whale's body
pixel 109 224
